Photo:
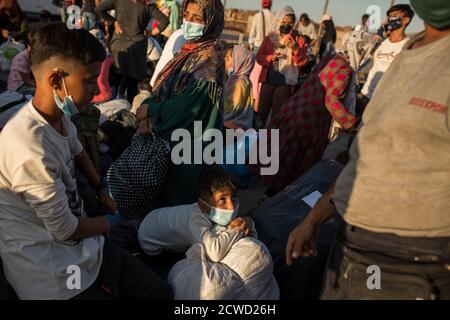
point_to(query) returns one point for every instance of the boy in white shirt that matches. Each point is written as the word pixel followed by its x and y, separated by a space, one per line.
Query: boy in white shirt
pixel 211 221
pixel 399 17
pixel 49 248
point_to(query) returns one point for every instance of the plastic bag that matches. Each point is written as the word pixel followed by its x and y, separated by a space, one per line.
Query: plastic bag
pixel 8 51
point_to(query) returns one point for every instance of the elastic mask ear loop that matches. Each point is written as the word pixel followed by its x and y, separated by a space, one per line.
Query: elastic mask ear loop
pixel 64 85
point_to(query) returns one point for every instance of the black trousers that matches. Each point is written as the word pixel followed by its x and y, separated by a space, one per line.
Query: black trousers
pixel 123 276
pixel 409 268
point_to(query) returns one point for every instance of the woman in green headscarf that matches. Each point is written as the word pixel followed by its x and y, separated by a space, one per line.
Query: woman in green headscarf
pixel 189 89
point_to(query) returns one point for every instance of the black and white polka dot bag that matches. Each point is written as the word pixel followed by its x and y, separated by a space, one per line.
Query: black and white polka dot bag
pixel 136 178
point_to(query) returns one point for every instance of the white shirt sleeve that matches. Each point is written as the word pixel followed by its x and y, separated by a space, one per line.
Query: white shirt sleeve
pixel 216 244
pixel 37 180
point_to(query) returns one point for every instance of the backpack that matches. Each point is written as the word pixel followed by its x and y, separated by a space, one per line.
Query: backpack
pixel 136 178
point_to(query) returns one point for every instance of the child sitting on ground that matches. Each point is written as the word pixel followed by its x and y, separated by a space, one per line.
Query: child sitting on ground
pixel 225 260
pixel 212 221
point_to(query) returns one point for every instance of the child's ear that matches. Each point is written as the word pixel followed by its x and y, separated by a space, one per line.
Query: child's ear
pixel 55 79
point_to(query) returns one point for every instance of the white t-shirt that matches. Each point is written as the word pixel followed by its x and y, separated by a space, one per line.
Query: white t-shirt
pixel 309 30
pixel 178 228
pixel 174 44
pixel 38 204
pixel 257 34
pixel 383 58
pixel 361 27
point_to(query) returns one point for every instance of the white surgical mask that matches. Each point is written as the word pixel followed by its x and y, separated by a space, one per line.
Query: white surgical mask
pixel 220 216
pixel 192 31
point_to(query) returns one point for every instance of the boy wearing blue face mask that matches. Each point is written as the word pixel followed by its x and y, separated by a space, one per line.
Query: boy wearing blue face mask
pixel 49 248
pixel 211 221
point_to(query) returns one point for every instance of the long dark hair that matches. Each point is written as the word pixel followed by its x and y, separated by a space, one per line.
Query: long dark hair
pixel 330 32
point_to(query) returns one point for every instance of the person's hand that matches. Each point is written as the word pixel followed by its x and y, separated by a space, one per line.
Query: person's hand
pixel 302 241
pixel 353 129
pixel 280 55
pixel 155 32
pixel 242 224
pixel 117 27
pixel 106 200
pixel 5 33
pixel 143 120
pixel 291 43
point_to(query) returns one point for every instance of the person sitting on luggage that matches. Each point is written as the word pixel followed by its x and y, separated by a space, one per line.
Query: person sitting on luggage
pixel 211 221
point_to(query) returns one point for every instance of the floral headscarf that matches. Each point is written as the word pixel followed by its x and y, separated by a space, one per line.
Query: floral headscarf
pixel 201 59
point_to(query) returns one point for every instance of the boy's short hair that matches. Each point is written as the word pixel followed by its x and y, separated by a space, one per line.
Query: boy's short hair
pixel 405 8
pixel 56 40
pixel 212 179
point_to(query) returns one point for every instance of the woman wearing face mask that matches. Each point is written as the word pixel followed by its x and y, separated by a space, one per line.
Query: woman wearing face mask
pixel 239 63
pixel 188 89
pixel 282 54
pixel 304 121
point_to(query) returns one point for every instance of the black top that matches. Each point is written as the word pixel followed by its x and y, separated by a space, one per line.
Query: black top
pixel 129 49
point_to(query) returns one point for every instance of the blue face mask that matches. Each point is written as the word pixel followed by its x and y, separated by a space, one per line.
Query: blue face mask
pixel 67 106
pixel 192 31
pixel 222 217
pixel 230 72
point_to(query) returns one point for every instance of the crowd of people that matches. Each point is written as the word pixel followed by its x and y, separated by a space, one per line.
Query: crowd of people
pixel 87 123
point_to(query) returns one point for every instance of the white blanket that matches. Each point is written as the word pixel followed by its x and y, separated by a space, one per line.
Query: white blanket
pixel 246 273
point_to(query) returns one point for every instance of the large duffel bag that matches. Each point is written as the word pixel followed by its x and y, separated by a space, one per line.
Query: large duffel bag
pixel 278 216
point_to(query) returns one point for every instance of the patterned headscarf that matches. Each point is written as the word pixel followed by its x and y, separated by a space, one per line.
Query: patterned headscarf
pixel 201 59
